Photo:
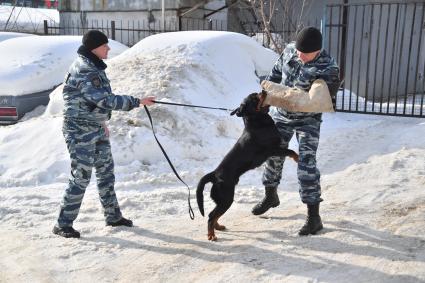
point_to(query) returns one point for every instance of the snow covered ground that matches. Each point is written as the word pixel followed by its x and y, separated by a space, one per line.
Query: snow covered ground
pixel 373 175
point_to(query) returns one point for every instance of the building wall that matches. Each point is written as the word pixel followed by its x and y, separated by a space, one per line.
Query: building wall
pixel 122 5
pixel 382 48
pixel 130 27
pixel 215 5
pixel 143 19
pixel 285 18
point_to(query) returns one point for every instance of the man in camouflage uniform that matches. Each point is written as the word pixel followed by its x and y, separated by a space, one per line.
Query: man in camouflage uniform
pixel 300 64
pixel 88 104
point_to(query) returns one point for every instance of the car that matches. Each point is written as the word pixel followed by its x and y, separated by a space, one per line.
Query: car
pixel 4 35
pixel 7 3
pixel 32 67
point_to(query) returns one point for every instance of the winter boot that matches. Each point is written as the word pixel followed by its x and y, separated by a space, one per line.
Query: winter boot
pixel 313 224
pixel 66 232
pixel 122 222
pixel 270 200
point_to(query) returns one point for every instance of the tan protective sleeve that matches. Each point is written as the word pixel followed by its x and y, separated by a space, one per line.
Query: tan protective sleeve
pixel 318 99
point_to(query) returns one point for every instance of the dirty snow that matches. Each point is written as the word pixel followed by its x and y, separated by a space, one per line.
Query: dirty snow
pixel 373 174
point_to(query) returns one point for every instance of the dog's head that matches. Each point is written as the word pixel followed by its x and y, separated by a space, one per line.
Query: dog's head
pixel 250 106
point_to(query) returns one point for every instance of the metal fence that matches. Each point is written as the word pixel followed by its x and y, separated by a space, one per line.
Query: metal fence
pixel 381 51
pixel 131 32
pixel 380 48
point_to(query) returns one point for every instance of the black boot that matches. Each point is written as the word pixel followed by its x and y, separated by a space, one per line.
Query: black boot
pixel 122 222
pixel 66 232
pixel 313 224
pixel 270 200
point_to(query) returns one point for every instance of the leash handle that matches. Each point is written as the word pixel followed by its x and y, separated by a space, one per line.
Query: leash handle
pixel 191 214
pixel 190 105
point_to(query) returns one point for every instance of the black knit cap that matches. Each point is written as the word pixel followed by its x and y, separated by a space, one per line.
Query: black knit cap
pixel 309 39
pixel 93 39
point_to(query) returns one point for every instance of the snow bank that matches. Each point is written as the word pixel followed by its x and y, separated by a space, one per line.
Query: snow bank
pixel 205 68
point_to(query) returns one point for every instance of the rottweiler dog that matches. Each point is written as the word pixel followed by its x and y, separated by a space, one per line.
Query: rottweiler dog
pixel 259 141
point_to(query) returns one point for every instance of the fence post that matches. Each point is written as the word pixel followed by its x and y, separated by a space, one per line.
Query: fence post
pixel 344 40
pixel 210 24
pixel 113 30
pixel 46 28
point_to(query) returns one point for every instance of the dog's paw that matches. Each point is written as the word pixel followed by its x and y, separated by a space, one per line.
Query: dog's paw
pixel 295 157
pixel 212 237
pixel 219 227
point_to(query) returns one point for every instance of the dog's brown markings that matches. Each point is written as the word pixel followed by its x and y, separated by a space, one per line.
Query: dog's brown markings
pixel 259 141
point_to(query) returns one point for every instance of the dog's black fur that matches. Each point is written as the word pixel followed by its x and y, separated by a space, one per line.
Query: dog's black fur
pixel 259 141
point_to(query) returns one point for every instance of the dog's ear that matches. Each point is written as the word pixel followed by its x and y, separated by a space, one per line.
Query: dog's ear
pixel 234 111
pixel 240 110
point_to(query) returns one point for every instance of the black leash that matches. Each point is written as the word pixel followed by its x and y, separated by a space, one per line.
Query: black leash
pixel 191 214
pixel 190 105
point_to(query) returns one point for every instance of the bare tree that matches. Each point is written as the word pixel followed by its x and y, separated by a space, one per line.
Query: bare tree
pixel 259 8
pixel 276 37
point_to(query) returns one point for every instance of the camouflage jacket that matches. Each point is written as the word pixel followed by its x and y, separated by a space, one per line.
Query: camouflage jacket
pixel 290 71
pixel 87 93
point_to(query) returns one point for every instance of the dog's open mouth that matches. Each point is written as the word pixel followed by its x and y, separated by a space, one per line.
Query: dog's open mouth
pixel 251 105
pixel 260 105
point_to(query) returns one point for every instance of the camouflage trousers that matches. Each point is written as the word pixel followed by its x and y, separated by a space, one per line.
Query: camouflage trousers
pixel 88 147
pixel 307 131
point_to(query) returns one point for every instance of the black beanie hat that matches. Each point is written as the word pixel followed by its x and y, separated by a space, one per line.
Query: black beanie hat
pixel 93 39
pixel 309 39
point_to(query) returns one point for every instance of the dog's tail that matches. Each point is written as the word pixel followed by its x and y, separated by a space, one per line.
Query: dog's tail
pixel 210 177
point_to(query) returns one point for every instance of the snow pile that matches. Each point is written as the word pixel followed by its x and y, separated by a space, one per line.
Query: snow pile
pixel 203 68
pixel 207 68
